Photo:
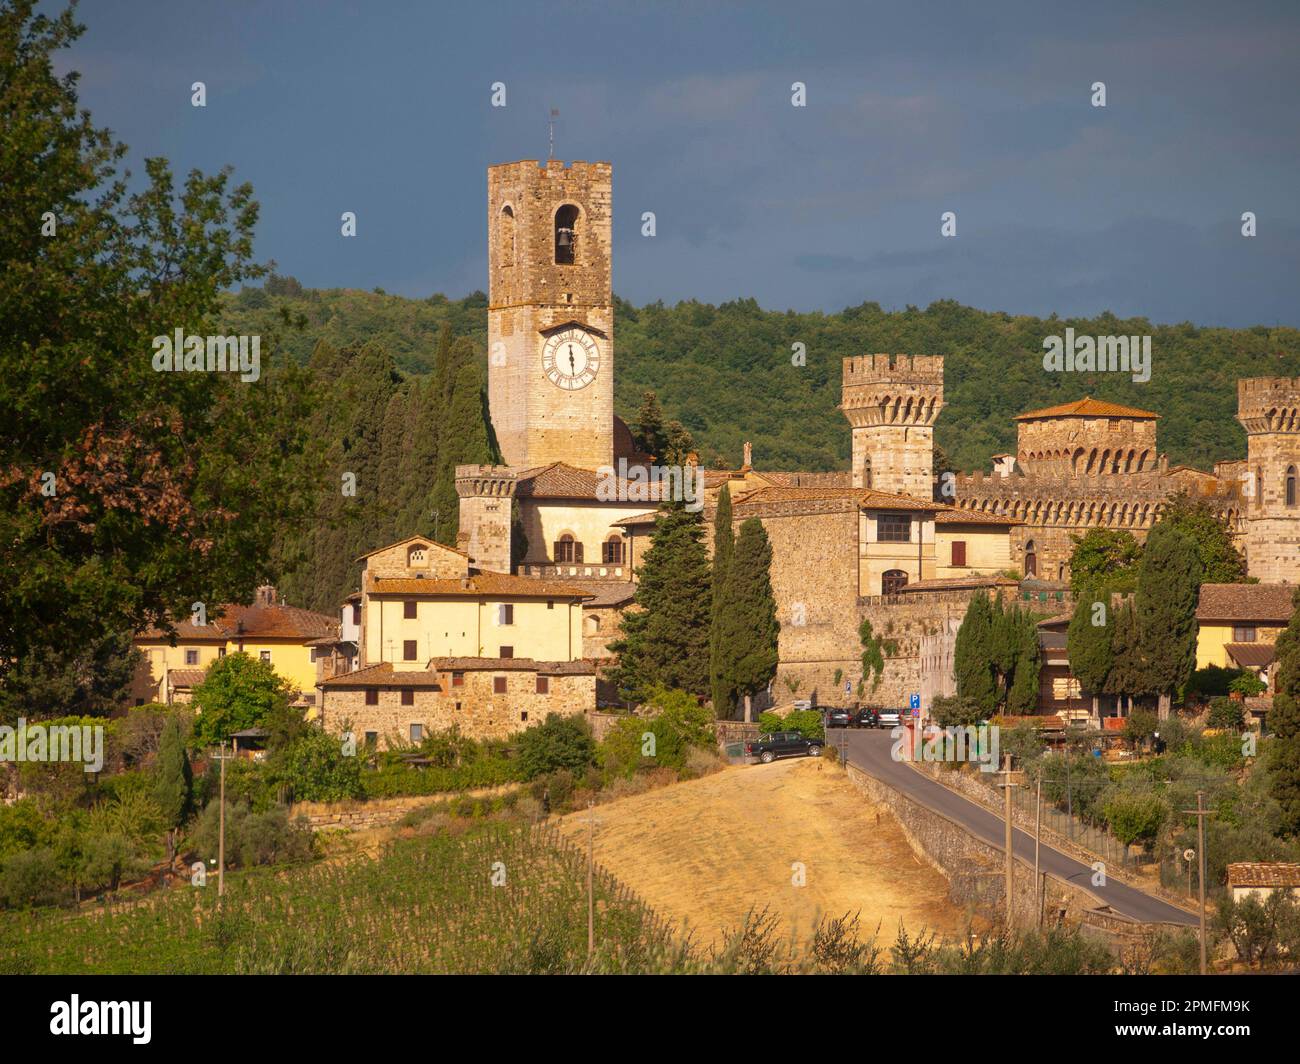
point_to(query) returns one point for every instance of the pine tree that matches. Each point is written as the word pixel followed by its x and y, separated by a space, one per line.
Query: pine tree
pixel 724 546
pixel 650 437
pixel 1088 645
pixel 1169 582
pixel 1284 722
pixel 749 630
pixel 973 655
pixel 666 635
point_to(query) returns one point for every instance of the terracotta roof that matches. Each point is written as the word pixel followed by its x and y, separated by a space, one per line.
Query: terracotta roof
pixel 1251 655
pixel 562 481
pixel 957 516
pixel 191 633
pixel 384 675
pixel 1088 407
pixel 866 499
pixel 1246 602
pixel 839 478
pixel 606 593
pixel 185 677
pixel 647 518
pixel 275 622
pixel 958 583
pixel 1263 874
pixel 476 586
pixel 433 545
pixel 546 668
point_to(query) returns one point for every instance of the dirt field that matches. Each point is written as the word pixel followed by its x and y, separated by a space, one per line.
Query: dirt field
pixel 706 851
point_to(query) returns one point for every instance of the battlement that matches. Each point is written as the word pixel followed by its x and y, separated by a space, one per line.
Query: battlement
pixel 484 481
pixel 1269 404
pixel 893 369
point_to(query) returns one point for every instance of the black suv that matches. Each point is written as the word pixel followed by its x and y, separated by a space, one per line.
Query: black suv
pixel 767 748
pixel 865 718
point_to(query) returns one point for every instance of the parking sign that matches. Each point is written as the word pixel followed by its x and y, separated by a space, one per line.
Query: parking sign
pixel 915 702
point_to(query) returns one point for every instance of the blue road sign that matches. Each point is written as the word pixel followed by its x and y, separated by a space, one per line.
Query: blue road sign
pixel 915 700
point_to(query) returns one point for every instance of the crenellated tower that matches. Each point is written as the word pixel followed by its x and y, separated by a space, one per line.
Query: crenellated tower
pixel 1269 410
pixel 892 402
pixel 486 493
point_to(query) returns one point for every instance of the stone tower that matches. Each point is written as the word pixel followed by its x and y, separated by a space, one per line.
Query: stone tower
pixel 1269 410
pixel 550 313
pixel 892 402
pixel 485 494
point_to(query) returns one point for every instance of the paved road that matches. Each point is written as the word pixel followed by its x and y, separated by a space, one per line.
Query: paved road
pixel 870 751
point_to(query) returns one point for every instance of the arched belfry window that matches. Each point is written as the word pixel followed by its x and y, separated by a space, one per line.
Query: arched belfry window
pixel 566 235
pixel 1031 559
pixel 1290 486
pixel 506 236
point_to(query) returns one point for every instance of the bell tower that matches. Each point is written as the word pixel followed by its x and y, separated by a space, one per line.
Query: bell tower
pixel 1269 410
pixel 891 402
pixel 551 313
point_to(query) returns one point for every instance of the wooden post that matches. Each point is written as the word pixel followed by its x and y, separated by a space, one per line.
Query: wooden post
pixel 221 831
pixel 1006 813
pixel 1038 832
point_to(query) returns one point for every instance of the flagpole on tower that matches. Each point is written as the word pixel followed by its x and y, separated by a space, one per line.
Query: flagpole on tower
pixel 550 128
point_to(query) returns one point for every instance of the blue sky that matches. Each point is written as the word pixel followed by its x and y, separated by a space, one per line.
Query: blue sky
pixel 383 108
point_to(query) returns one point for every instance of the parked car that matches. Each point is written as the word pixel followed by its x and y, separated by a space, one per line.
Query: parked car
pixel 838 718
pixel 767 748
pixel 892 718
pixel 866 717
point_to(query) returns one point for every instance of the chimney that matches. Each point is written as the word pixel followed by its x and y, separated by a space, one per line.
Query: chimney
pixel 749 456
pixel 265 595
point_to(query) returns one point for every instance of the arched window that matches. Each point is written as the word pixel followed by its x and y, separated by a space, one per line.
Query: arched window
pixel 611 552
pixel 506 236
pixel 1031 559
pixel 416 556
pixel 893 581
pixel 593 624
pixel 566 235
pixel 1290 485
pixel 568 551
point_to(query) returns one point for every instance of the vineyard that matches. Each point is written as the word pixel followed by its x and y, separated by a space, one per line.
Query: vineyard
pixel 501 898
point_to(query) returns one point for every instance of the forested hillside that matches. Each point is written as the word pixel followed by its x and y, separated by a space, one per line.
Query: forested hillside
pixel 401 386
pixel 726 373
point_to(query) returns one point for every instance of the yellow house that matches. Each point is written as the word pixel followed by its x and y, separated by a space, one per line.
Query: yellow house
pixel 1238 624
pixel 278 634
pixel 969 543
pixel 421 600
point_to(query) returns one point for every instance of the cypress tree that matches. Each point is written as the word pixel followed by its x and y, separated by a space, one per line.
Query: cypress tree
pixel 1169 583
pixel 724 545
pixel 973 655
pixel 1127 676
pixel 749 629
pixel 1087 644
pixel 173 780
pixel 651 437
pixel 1284 722
pixel 666 636
pixel 1022 682
pixel 463 441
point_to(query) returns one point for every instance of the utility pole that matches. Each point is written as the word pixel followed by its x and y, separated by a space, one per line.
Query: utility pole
pixel 591 865
pixel 221 832
pixel 1201 814
pixel 1006 813
pixel 1038 834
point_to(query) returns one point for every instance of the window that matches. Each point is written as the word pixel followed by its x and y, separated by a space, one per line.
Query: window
pixel 893 581
pixel 550 604
pixel 1243 633
pixel 408 649
pixel 408 610
pixel 567 551
pixel 372 740
pixel 506 613
pixel 959 552
pixel 498 685
pixel 408 696
pixel 894 528
pixel 372 696
pixel 612 551
pixel 458 679
pixel 221 652
pixel 543 685
pixel 506 237
pixel 356 613
pixel 265 655
pixel 417 733
pixel 1031 559
pixel 566 235
pixel 416 556
pixel 523 715
pixel 507 652
pixel 1290 486
pixel 313 653
pixel 191 657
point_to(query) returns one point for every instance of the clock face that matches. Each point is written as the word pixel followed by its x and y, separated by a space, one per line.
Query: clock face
pixel 571 359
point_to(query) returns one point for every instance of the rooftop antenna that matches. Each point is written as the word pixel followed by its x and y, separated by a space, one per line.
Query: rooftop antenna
pixel 550 127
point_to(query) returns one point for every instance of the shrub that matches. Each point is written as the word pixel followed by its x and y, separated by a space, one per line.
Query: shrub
pixel 1135 817
pixel 558 743
pixel 1248 684
pixel 315 769
pixel 30 878
pixel 952 711
pixel 1225 713
pixel 252 838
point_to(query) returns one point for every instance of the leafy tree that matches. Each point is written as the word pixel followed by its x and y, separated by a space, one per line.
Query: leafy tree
pixel 238 692
pixel 954 711
pixel 1226 713
pixel 749 630
pixel 1169 583
pixel 316 770
pixel 1284 723
pixel 666 636
pixel 724 547
pixel 560 743
pixel 678 724
pixel 1104 558
pixel 91 679
pixel 164 488
pixel 1221 562
pixel 1135 817
pixel 1088 644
